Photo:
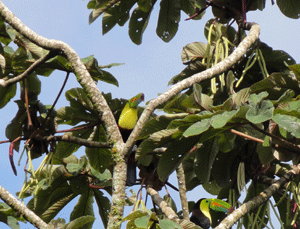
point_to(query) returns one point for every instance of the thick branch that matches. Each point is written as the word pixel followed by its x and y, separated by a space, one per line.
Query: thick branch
pixel 20 207
pixel 182 191
pixel 219 68
pixel 258 200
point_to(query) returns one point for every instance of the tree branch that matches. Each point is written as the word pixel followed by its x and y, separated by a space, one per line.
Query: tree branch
pixel 258 200
pixel 219 68
pixel 182 191
pixel 166 209
pixel 20 207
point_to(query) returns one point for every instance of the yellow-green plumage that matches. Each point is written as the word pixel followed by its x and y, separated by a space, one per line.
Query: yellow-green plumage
pixel 128 117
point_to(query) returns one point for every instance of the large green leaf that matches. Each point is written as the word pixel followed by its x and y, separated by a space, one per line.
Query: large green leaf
pixel 168 20
pixel 159 123
pixel 197 128
pixel 80 222
pixel 289 123
pixel 78 99
pixel 50 200
pixel 84 207
pixel 99 158
pixel 289 8
pixel 73 116
pixel 191 178
pixel 220 120
pixel 6 94
pixel 203 100
pixel 194 51
pixel 119 13
pixel 65 149
pixel 97 71
pixel 137 24
pixel 190 7
pixel 103 206
pixel 174 155
pixel 204 159
pixel 168 224
pixel 259 111
pixel 156 140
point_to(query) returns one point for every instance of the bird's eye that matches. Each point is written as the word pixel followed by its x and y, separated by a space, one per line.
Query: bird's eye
pixel 133 99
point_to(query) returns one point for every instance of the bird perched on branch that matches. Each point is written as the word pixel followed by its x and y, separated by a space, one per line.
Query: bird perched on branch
pixel 201 215
pixel 127 121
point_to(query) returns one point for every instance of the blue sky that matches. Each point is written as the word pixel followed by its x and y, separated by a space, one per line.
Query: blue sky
pixel 148 67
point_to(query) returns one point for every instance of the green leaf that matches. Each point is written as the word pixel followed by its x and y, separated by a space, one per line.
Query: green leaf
pixel 6 94
pixel 33 84
pixel 174 155
pixel 142 222
pixel 212 187
pixel 65 149
pixel 241 97
pixel 204 159
pixel 259 111
pixel 194 51
pixel 47 203
pixel 146 5
pixel 289 8
pixel 168 224
pixel 274 82
pixel 103 206
pixel 81 222
pixel 289 123
pixel 137 24
pixel 156 140
pixel 220 120
pixel 159 123
pixel 190 7
pixel 84 207
pixel 99 158
pixel 203 100
pixel 79 99
pixel 296 70
pixel 117 14
pixel 226 141
pixel 96 71
pixel 168 19
pixel 197 128
pixel 265 154
pixel 73 116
